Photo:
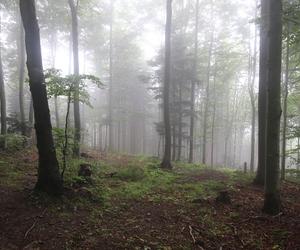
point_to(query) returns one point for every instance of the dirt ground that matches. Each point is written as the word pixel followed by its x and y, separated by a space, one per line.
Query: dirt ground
pixel 28 221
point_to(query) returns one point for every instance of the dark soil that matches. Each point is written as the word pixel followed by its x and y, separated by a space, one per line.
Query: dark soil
pixel 30 221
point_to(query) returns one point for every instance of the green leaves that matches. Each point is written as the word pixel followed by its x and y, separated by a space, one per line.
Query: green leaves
pixel 58 85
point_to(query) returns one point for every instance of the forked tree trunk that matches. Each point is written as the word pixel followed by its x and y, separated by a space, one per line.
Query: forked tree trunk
pixel 272 195
pixel 77 134
pixel 49 179
pixel 166 163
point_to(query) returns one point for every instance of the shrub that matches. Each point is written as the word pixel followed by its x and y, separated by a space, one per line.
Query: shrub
pixel 131 173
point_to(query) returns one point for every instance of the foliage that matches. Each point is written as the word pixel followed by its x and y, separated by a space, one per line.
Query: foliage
pixel 14 142
pixel 58 85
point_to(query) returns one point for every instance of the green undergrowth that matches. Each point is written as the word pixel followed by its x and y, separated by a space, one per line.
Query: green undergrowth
pixel 11 172
pixel 141 178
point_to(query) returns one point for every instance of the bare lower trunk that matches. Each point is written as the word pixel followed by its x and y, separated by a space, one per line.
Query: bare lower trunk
pixel 272 195
pixel 193 86
pixel 285 98
pixel 77 133
pixel 3 106
pixel 262 96
pixel 21 79
pixel 49 179
pixel 166 163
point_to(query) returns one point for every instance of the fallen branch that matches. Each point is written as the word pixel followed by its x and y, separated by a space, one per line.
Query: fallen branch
pixel 34 224
pixel 236 235
pixel 194 239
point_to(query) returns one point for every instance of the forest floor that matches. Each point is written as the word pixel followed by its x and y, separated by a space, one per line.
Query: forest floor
pixel 131 204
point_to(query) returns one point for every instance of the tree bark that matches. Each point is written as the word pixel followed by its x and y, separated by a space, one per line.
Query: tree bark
pixel 110 91
pixel 272 195
pixel 49 179
pixel 21 78
pixel 207 91
pixel 3 105
pixel 262 96
pixel 166 163
pixel 285 98
pixel 252 72
pixel 193 86
pixel 77 123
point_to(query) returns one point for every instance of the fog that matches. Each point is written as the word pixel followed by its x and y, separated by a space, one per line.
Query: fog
pixel 130 64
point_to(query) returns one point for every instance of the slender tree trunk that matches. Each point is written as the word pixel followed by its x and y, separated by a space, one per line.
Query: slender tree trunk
pixel 2 102
pixel 77 134
pixel 166 163
pixel 272 195
pixel 252 72
pixel 213 120
pixel 100 137
pixel 49 179
pixel 110 91
pixel 285 98
pixel 21 78
pixel 262 96
pixel 193 82
pixel 3 105
pixel 178 158
pixel 206 106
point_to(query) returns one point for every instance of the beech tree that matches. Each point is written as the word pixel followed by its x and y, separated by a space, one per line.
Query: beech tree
pixel 2 102
pixel 49 179
pixel 166 163
pixel 274 47
pixel 77 123
pixel 262 96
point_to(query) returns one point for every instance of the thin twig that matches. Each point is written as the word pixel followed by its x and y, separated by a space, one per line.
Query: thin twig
pixel 34 224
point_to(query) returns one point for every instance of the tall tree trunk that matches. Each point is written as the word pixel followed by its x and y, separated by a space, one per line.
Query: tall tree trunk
pixel 262 96
pixel 77 134
pixel 166 163
pixel 3 105
pixel 110 91
pixel 2 102
pixel 21 44
pixel 285 98
pixel 49 179
pixel 178 158
pixel 53 64
pixel 206 106
pixel 252 72
pixel 193 86
pixel 272 196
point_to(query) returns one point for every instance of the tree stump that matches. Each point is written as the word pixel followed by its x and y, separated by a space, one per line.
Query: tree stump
pixel 223 197
pixel 85 170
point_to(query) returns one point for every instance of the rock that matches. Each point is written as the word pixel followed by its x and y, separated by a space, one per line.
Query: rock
pixel 223 197
pixel 85 170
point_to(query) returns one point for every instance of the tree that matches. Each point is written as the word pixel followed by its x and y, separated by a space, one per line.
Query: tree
pixel 272 196
pixel 194 80
pixel 285 103
pixel 77 134
pixel 21 78
pixel 166 163
pixel 262 96
pixel 49 179
pixel 2 103
pixel 110 92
